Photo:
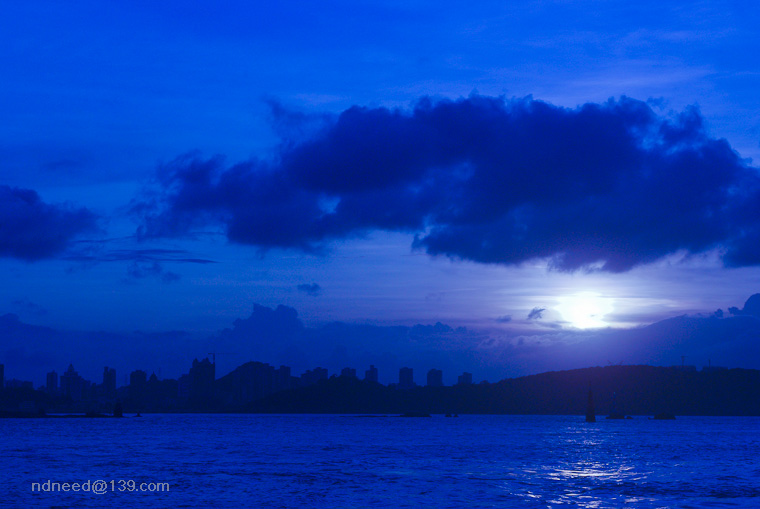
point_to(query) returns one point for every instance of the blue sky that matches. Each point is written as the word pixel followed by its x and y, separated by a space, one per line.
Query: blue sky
pixel 100 100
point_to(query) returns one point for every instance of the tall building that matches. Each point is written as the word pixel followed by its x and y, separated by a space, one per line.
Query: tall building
pixel 435 378
pixel 348 373
pixel 202 376
pixel 51 384
pixel 282 378
pixel 371 374
pixel 138 378
pixel 312 376
pixel 73 385
pixel 465 379
pixel 405 378
pixel 109 381
pixel 183 387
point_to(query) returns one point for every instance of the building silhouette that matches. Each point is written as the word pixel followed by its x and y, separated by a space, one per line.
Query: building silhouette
pixel 405 378
pixel 138 380
pixel 464 379
pixel 14 383
pixel 183 387
pixel 51 382
pixel 152 395
pixel 371 374
pixel 282 380
pixel 109 382
pixel 202 375
pixel 348 373
pixel 312 376
pixel 435 378
pixel 72 385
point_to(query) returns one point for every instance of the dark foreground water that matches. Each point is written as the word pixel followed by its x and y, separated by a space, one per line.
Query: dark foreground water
pixel 343 461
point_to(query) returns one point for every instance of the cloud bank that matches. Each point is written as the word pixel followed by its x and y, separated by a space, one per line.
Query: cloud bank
pixel 278 336
pixel 31 229
pixel 497 181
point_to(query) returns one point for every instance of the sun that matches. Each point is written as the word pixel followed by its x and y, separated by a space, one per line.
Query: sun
pixel 585 310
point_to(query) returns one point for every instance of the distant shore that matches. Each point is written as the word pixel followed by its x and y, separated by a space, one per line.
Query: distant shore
pixel 618 391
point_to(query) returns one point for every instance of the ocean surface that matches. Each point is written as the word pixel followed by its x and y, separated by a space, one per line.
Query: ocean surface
pixel 353 461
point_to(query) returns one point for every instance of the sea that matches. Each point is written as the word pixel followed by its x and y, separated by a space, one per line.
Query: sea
pixel 207 460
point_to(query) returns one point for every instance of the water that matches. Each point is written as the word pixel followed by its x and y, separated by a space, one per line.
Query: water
pixel 343 461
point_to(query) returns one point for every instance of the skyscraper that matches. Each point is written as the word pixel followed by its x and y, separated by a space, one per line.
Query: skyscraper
pixel 371 374
pixel 435 378
pixel 109 381
pixel 51 384
pixel 405 378
pixel 282 378
pixel 202 376
pixel 312 376
pixel 72 385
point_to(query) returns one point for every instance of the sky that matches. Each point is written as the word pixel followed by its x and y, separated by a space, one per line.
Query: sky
pixel 502 188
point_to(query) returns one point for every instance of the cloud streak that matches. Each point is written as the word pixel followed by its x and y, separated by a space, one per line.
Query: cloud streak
pixel 607 186
pixel 536 313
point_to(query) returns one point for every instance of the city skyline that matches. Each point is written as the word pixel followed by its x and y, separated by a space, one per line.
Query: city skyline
pixel 54 382
pixel 110 381
pixel 197 390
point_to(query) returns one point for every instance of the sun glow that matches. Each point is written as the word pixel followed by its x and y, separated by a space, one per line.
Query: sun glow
pixel 585 310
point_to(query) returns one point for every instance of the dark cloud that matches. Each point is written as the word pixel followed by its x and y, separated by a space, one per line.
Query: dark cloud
pixel 536 313
pixel 504 319
pixel 313 289
pixel 607 186
pixel 31 229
